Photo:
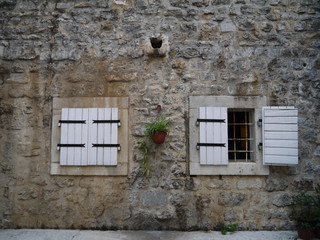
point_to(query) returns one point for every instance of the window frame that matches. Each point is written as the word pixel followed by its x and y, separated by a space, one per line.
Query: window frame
pixel 255 167
pixel 121 169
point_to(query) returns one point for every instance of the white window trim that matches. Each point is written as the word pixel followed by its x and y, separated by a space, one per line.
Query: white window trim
pixel 233 168
pixel 121 169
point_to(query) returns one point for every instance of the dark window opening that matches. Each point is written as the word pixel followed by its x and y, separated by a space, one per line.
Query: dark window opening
pixel 239 135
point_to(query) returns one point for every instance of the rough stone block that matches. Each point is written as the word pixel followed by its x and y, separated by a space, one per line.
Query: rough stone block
pixel 154 198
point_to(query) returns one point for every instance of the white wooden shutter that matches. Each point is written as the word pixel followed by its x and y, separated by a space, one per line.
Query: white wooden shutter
pixel 213 135
pixel 104 134
pixel 280 135
pixel 72 133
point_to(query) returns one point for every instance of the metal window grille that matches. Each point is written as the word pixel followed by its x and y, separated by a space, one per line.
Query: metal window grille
pixel 240 141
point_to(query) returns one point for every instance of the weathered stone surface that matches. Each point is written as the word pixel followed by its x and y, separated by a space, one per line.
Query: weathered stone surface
pixel 231 199
pixel 282 200
pixel 154 198
pixel 103 48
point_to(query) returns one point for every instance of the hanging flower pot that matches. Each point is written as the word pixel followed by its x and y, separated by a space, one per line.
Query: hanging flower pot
pixel 158 130
pixel 159 137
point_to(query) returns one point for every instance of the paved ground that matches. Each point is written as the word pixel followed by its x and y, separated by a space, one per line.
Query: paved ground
pixel 34 234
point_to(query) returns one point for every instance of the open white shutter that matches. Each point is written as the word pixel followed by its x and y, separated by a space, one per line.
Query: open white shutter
pixel 72 145
pixel 213 135
pixel 280 135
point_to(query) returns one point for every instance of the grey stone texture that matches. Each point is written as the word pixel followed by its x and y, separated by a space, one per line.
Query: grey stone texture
pixel 102 48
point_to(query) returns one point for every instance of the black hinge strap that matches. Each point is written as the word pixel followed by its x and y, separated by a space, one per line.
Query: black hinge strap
pixel 199 120
pixel 106 145
pixel 71 145
pixel 72 121
pixel 210 145
pixel 106 121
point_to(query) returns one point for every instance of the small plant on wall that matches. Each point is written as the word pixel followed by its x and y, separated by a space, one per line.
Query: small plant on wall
pixel 156 132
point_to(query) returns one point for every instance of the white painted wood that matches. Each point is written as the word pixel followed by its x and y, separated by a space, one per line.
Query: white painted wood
pixel 211 136
pixel 281 127
pixel 280 135
pixel 281 143
pixel 92 136
pixel 107 138
pixel 278 120
pixel 77 136
pixel 280 152
pixel 213 132
pixel 203 135
pixel 71 137
pixel 281 113
pixel 281 160
pixel 100 135
pixel 84 137
pixel 64 137
pixel 114 137
pixel 224 136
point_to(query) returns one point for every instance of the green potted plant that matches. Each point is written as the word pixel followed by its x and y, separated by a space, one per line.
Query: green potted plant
pixel 317 212
pixel 158 130
pixel 304 213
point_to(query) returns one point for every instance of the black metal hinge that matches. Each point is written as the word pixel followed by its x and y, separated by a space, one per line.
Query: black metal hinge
pixel 210 145
pixel 71 121
pixel 70 145
pixel 107 121
pixel 199 120
pixel 106 145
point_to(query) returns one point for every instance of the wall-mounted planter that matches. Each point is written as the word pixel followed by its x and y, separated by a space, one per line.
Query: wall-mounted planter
pixel 159 137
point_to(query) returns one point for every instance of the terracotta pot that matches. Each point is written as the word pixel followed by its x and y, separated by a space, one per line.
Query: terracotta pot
pixel 159 137
pixel 317 232
pixel 305 234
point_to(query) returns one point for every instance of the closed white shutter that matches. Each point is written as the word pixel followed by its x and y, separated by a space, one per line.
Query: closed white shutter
pixel 213 135
pixel 280 135
pixel 89 136
pixel 73 146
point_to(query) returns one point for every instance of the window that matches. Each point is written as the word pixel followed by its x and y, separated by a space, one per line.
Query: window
pixel 226 139
pixel 240 139
pixel 89 136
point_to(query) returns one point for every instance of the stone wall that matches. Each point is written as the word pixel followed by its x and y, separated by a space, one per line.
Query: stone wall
pixel 102 48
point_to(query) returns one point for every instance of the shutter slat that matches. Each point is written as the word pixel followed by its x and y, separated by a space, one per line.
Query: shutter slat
pixel 202 135
pixel 92 136
pixel 216 158
pixel 114 137
pixel 224 136
pixel 280 152
pixel 77 136
pixel 281 143
pixel 282 113
pixel 107 138
pixel 281 127
pixel 71 137
pixel 278 120
pixel 280 135
pixel 211 136
pixel 100 136
pixel 84 137
pixel 64 137
pixel 281 160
